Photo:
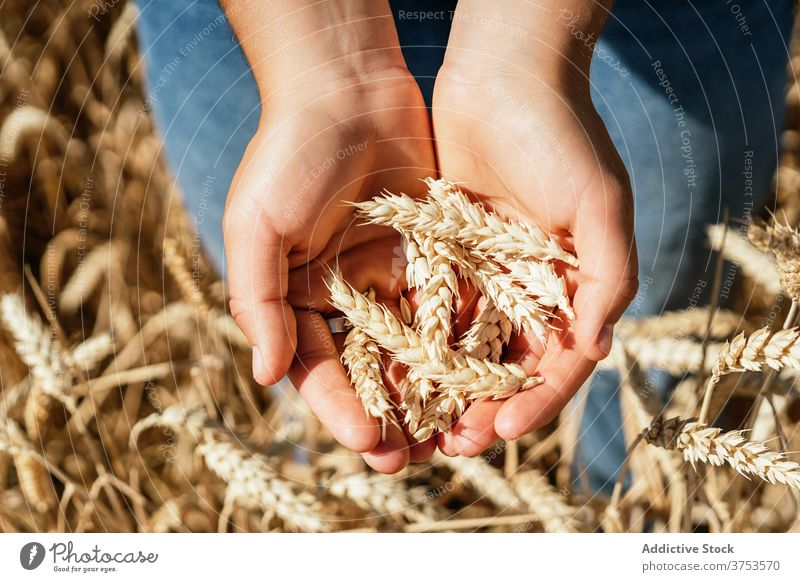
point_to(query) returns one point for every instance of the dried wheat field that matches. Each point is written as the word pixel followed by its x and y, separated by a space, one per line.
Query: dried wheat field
pixel 127 403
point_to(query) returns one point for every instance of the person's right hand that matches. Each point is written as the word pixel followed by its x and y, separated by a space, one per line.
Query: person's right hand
pixel 316 149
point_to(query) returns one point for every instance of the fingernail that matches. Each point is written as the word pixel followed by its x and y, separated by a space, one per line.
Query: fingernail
pixel 605 337
pixel 257 365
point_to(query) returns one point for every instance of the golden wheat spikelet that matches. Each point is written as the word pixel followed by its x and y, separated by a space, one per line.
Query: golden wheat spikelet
pixel 362 358
pixel 250 478
pixel 485 479
pixel 753 263
pixel 434 277
pixel 184 277
pixel 782 243
pixel 503 239
pixel 35 482
pixel 541 498
pixel 684 323
pixel 764 347
pixel 707 444
pixel 487 334
pixel 385 495
pixel 251 482
pixel 36 346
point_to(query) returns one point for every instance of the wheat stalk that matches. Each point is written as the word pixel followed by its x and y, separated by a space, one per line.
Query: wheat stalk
pixel 707 444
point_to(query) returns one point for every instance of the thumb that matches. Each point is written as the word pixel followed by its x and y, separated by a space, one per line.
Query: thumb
pixel 257 259
pixel 608 275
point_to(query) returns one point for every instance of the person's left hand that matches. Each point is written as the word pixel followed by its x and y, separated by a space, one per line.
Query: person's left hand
pixel 537 154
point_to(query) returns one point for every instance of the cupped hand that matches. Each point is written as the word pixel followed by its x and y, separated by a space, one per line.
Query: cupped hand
pixel 536 154
pixel 287 220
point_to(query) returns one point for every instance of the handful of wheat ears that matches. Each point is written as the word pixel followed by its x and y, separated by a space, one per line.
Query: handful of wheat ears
pixel 446 236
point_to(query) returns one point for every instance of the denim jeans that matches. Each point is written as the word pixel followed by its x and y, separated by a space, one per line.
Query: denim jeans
pixel 691 93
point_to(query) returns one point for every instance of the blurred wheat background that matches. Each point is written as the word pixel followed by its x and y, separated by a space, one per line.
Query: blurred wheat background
pixel 127 402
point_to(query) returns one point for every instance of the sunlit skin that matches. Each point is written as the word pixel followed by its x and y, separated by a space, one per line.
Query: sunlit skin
pixel 344 119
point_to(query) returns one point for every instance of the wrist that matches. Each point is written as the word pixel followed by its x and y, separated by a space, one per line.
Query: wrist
pixel 299 47
pixel 548 44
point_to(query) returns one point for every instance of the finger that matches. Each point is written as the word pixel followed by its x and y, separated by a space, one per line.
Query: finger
pixel 391 454
pixel 564 370
pixel 474 432
pixel 421 452
pixel 608 264
pixel 525 350
pixel 320 379
pixel 257 279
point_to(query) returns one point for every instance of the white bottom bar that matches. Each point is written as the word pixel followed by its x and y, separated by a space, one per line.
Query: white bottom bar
pixel 406 557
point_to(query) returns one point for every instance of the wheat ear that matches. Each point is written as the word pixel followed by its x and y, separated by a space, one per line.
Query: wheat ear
pixel 417 392
pixel 251 481
pixel 499 287
pixel 762 348
pixel 753 263
pixel 495 284
pixel 183 276
pixel 541 280
pixel 384 495
pixel 434 277
pixel 782 243
pixel 35 346
pixel 502 239
pixel 476 378
pixel 485 479
pixel 436 280
pixel 708 444
pixel 362 358
pixel 484 339
pixel 684 323
pixel 487 334
pixel 90 353
pixel 555 515
pixel 674 355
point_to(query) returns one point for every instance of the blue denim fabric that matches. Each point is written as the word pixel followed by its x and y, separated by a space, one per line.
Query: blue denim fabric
pixel 691 92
